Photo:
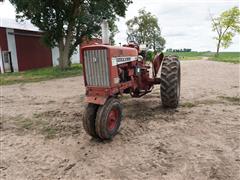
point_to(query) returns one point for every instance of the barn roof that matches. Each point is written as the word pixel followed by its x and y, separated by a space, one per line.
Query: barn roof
pixel 13 24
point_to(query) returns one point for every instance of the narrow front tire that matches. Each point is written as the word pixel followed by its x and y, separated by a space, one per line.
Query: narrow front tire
pixel 89 118
pixel 108 119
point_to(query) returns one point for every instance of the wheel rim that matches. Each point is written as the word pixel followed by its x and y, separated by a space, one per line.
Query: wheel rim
pixel 112 119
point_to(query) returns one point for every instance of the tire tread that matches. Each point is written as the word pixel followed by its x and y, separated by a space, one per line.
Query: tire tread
pixel 169 82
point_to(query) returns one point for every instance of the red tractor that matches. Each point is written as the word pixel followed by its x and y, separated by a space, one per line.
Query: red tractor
pixel 111 71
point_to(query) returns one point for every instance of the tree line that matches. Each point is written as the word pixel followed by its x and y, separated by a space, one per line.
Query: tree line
pixel 178 50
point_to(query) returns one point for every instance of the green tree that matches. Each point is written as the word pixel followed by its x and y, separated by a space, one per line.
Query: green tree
pixel 114 30
pixel 226 26
pixel 144 29
pixel 66 23
pixel 150 55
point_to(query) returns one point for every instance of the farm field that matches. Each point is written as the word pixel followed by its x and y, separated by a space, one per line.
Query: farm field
pixel 42 135
pixel 232 57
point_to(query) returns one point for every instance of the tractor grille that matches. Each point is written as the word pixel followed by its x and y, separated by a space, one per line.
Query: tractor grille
pixel 96 67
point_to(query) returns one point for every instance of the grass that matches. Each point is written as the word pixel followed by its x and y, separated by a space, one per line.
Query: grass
pixel 188 55
pixel 37 75
pixel 38 125
pixel 196 103
pixel 232 57
pixel 49 132
pixel 233 99
pixel 24 123
pixel 188 104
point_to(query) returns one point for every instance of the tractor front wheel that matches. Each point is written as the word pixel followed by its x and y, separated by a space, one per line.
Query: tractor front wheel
pixel 89 118
pixel 170 82
pixel 108 119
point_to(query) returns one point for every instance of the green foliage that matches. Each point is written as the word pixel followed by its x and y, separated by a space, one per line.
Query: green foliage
pixel 227 39
pixel 66 23
pixel 40 75
pixel 227 25
pixel 150 55
pixel 114 30
pixel 144 29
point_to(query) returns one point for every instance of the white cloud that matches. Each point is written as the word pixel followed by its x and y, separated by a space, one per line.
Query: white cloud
pixel 184 24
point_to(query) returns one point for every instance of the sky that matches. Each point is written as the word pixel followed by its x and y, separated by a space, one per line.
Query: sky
pixel 184 23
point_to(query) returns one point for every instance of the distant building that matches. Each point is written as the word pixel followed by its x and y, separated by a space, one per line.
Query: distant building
pixel 21 47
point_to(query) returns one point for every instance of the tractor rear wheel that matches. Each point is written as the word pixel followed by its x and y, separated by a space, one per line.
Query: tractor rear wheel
pixel 89 118
pixel 108 119
pixel 170 82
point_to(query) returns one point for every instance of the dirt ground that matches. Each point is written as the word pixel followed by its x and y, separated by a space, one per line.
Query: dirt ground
pixel 42 135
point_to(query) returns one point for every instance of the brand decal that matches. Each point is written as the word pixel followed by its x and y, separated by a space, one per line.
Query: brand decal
pixel 121 60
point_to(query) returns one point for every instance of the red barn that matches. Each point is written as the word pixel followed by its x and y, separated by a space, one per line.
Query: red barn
pixel 21 48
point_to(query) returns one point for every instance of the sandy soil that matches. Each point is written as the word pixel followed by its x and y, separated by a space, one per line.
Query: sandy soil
pixel 42 135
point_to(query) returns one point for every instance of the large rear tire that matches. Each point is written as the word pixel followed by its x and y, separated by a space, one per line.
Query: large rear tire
pixel 89 118
pixel 170 82
pixel 108 119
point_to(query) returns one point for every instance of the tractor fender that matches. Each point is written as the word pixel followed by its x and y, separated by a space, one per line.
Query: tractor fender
pixel 157 61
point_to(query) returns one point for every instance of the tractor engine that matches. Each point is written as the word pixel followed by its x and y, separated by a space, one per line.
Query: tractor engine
pixel 110 70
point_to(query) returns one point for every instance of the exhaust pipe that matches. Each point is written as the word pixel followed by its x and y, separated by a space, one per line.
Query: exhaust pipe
pixel 105 32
